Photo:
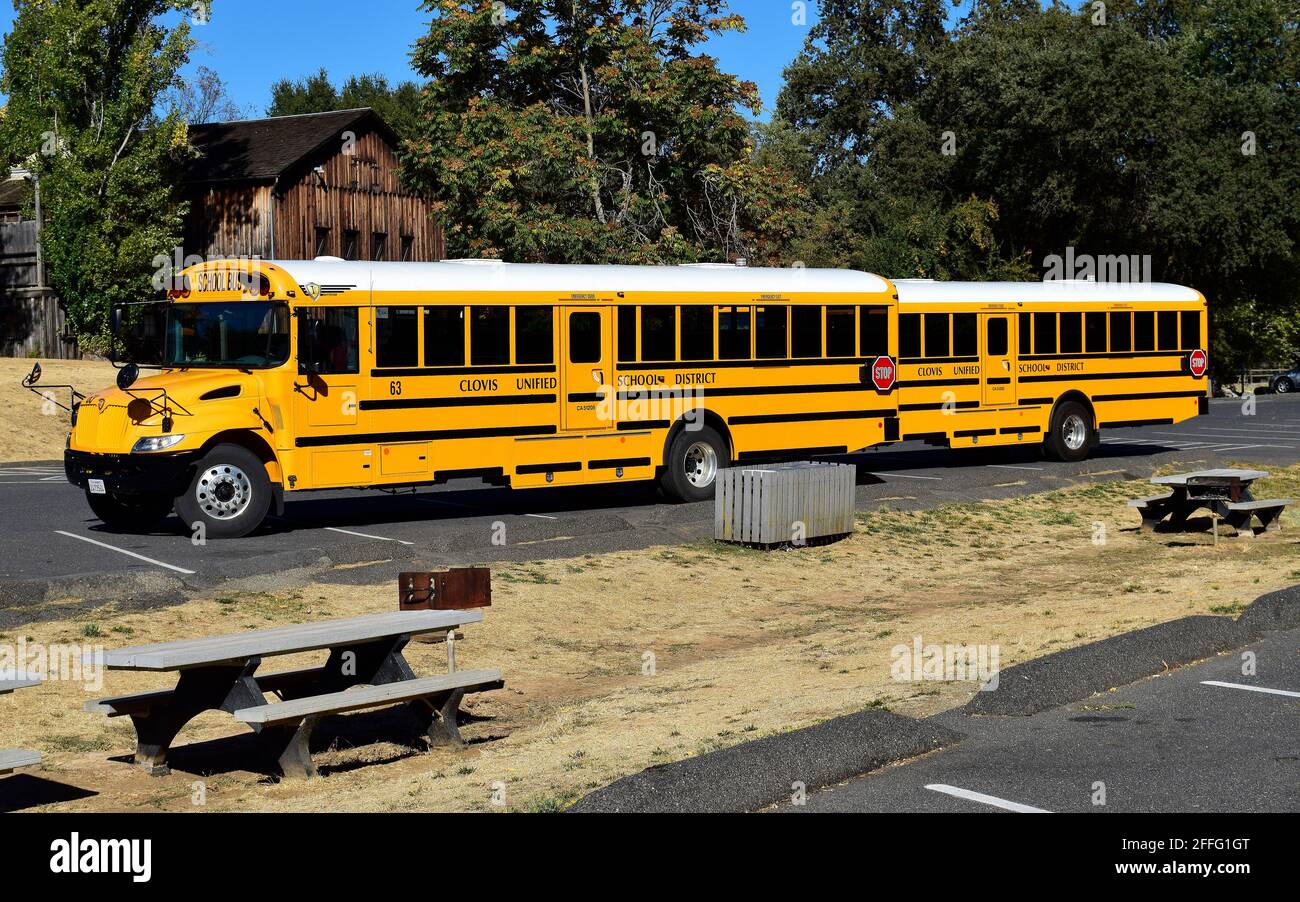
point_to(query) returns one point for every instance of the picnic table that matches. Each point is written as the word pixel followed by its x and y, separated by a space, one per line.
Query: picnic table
pixel 12 759
pixel 221 673
pixel 1224 492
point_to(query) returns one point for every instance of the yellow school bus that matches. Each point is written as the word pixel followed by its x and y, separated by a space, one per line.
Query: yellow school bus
pixel 283 377
pixel 1007 363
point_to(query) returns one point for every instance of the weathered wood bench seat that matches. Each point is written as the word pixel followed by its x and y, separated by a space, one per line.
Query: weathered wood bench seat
pixel 12 759
pixel 434 701
pixel 1153 509
pixel 282 683
pixel 1268 510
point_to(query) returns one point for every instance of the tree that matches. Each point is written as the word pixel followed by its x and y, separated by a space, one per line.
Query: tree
pixel 203 98
pixel 316 94
pixel 559 131
pixel 84 80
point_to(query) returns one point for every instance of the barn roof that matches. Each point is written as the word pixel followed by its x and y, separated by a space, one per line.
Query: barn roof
pixel 12 192
pixel 259 150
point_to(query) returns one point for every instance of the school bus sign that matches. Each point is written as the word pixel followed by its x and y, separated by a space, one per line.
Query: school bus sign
pixel 883 373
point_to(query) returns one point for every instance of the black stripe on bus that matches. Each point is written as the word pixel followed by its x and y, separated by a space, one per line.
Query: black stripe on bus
pixel 370 438
pixel 940 405
pixel 808 417
pixel 642 394
pixel 618 462
pixel 724 364
pixel 1070 377
pixel 971 433
pixel 1012 430
pixel 393 373
pixel 1117 355
pixel 921 361
pixel 462 401
pixel 1159 394
pixel 927 383
pixel 643 424
pixel 579 397
pixel 1001 380
pixel 1035 401
pixel 569 466
pixel 1124 424
pixel 793 453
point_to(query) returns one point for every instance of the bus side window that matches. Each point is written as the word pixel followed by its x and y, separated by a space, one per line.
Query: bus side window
pixel 909 335
pixel 1026 334
pixel 874 329
pixel 733 333
pixel 627 334
pixel 965 335
pixel 1121 332
pixel 771 326
pixel 1095 333
pixel 584 337
pixel 697 332
pixel 1071 333
pixel 1191 330
pixel 936 335
pixel 444 336
pixel 1144 330
pixel 839 332
pixel 535 335
pixel 396 337
pixel 1044 333
pixel 489 336
pixel 327 341
pixel 997 344
pixel 1167 335
pixel 659 333
pixel 806 332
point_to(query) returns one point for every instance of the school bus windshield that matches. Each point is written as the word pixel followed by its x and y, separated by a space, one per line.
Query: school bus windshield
pixel 237 334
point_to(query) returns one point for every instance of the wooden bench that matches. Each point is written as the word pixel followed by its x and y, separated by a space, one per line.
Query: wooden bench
pixel 1268 510
pixel 1153 509
pixel 220 673
pixel 434 701
pixel 12 759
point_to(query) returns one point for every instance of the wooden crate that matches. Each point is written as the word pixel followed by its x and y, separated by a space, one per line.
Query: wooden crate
pixel 765 505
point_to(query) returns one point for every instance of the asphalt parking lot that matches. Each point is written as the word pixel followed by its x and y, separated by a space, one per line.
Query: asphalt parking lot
pixel 1201 738
pixel 54 545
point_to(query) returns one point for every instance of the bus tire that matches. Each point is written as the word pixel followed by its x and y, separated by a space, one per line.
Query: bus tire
pixel 229 493
pixel 1070 435
pixel 132 513
pixel 691 468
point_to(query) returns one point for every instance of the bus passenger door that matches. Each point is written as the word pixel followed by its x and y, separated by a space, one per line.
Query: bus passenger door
pixel 587 368
pixel 997 366
pixel 327 397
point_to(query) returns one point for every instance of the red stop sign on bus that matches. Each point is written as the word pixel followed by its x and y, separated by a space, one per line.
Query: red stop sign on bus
pixel 883 373
pixel 1198 362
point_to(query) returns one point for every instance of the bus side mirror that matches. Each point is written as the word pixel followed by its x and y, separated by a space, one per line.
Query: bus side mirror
pixel 33 377
pixel 115 321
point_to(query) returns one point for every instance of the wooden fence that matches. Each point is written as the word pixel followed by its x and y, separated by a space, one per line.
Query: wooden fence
pixel 32 320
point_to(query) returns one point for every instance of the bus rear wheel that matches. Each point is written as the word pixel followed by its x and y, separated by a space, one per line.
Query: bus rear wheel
pixel 133 513
pixel 229 494
pixel 691 468
pixel 1071 433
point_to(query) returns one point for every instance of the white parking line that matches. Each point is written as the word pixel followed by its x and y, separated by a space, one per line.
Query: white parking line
pixel 139 557
pixel 1287 692
pixel 985 799
pixel 366 535
pixel 1010 467
pixel 906 476
pixel 541 516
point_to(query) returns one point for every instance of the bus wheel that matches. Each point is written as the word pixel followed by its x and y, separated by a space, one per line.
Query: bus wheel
pixel 694 459
pixel 1070 435
pixel 134 513
pixel 229 494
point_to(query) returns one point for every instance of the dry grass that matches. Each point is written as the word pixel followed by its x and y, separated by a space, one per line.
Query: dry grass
pixel 37 430
pixel 745 644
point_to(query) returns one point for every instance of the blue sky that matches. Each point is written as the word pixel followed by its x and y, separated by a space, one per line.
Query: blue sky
pixel 254 43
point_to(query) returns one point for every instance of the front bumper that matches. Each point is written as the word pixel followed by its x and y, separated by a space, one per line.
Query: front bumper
pixel 132 474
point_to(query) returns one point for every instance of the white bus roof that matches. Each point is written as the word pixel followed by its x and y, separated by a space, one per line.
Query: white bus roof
pixel 920 291
pixel 492 275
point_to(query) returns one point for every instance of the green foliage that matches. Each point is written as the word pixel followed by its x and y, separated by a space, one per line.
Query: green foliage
pixel 83 80
pixel 316 94
pixel 559 131
pixel 1124 137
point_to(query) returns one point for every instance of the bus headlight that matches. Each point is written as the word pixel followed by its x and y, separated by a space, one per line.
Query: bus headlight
pixel 152 443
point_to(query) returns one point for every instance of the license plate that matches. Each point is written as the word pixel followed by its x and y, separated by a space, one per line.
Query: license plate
pixel 96 487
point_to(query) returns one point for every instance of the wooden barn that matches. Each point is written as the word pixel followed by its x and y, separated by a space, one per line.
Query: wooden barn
pixel 297 187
